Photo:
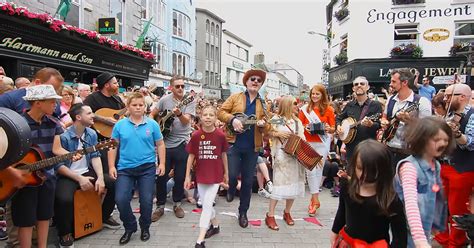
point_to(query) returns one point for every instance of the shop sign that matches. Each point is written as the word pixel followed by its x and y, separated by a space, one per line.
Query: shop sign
pixel 341 76
pixel 108 25
pixel 237 65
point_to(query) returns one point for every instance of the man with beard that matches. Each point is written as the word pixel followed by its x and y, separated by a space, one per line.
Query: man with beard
pixel 403 97
pixel 106 97
pixel 360 108
pixel 457 173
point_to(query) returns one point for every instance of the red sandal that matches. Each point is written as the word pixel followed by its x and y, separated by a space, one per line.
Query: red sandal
pixel 271 223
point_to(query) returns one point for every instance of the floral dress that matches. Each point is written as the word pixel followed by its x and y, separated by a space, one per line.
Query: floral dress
pixel 288 174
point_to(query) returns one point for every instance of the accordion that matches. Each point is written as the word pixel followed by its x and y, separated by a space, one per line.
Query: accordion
pixel 303 152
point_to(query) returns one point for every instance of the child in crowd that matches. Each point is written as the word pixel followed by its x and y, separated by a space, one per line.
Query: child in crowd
pixel 418 181
pixel 368 203
pixel 208 148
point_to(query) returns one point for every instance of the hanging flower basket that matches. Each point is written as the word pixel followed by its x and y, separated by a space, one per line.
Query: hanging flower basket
pixel 458 47
pixel 407 51
pixel 57 25
pixel 341 58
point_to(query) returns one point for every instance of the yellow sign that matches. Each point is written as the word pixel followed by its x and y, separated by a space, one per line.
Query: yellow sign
pixel 436 34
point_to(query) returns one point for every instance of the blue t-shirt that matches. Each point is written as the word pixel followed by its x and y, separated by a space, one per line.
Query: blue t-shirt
pixel 246 140
pixel 427 91
pixel 136 142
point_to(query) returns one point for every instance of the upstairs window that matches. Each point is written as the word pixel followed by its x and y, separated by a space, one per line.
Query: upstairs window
pixel 181 24
pixel 406 34
pixel 401 2
pixel 464 32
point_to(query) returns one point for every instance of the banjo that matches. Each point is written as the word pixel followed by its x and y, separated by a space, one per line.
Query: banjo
pixel 349 127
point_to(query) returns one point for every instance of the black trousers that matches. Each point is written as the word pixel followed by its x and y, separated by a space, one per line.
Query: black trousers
pixel 176 158
pixel 64 201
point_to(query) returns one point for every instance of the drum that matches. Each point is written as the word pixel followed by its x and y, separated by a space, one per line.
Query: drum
pixel 87 213
pixel 302 151
pixel 349 130
pixel 15 137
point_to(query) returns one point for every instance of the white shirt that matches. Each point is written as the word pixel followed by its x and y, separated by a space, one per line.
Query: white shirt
pixel 423 111
pixel 80 166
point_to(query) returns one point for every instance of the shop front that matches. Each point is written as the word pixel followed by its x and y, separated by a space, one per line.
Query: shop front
pixel 28 43
pixel 440 70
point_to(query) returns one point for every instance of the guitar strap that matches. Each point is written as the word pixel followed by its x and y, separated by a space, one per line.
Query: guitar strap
pixel 365 109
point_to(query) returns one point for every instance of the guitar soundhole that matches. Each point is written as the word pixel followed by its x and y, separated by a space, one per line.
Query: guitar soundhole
pixel 1 184
pixel 116 117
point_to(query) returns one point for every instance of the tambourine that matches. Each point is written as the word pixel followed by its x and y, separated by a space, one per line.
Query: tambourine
pixel 15 137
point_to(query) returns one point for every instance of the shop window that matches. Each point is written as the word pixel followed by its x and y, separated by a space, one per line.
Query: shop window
pixel 464 32
pixel 406 34
pixel 181 24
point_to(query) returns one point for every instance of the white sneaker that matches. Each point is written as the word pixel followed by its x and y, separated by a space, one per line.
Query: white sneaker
pixel 264 193
pixel 269 186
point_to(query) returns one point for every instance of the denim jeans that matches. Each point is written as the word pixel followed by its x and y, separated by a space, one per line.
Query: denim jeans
pixel 243 163
pixel 176 158
pixel 144 177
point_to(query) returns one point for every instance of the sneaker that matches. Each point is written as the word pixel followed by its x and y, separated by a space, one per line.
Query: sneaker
pixel 263 193
pixel 178 211
pixel 66 240
pixel 269 186
pixel 157 214
pixel 111 223
pixel 199 203
pixel 201 245
pixel 3 235
pixel 212 231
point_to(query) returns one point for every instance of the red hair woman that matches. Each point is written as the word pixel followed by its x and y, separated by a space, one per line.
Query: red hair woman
pixel 319 121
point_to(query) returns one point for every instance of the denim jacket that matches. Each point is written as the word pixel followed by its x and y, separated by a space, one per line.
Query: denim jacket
pixel 432 205
pixel 70 142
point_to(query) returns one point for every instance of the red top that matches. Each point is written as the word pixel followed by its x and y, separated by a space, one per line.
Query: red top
pixel 208 149
pixel 328 118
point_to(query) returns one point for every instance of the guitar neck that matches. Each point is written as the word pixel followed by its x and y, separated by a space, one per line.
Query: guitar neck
pixel 54 160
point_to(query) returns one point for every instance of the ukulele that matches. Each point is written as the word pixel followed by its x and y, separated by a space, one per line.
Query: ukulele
pixel 392 127
pixel 166 117
pixel 102 124
pixel 33 162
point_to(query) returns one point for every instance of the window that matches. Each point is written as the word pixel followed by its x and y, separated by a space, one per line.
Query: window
pixel 179 64
pixel 400 2
pixel 343 44
pixel 161 14
pixel 117 9
pixel 206 80
pixel 217 30
pixel 217 54
pixel 212 52
pixel 160 52
pixel 464 32
pixel 72 17
pixel 212 28
pixel 180 24
pixel 243 54
pixel 207 26
pixel 207 51
pixel 406 34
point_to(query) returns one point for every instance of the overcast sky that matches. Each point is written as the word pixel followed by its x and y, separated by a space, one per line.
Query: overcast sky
pixel 279 29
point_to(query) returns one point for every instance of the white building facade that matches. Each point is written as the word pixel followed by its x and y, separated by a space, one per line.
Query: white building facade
pixel 367 31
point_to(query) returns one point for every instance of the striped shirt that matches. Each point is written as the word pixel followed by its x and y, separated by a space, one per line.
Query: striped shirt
pixel 42 136
pixel 408 177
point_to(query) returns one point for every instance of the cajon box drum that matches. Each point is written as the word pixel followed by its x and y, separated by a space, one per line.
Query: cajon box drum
pixel 87 213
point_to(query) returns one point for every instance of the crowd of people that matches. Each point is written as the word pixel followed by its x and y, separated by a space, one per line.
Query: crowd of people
pixel 401 176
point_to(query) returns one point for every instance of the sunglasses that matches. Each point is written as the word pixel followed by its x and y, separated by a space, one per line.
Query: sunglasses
pixel 455 94
pixel 360 83
pixel 253 79
pixel 179 86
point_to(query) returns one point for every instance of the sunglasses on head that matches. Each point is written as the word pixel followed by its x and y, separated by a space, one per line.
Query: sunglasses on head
pixel 179 86
pixel 253 79
pixel 359 83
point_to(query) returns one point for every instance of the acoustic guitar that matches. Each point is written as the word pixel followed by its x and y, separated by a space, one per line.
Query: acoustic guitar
pixel 391 130
pixel 102 124
pixel 166 117
pixel 248 121
pixel 33 162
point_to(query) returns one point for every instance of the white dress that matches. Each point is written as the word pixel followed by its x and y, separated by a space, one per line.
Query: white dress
pixel 288 174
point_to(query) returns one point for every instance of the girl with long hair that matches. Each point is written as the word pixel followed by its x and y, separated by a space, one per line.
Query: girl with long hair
pixel 288 174
pixel 418 182
pixel 368 203
pixel 66 102
pixel 319 121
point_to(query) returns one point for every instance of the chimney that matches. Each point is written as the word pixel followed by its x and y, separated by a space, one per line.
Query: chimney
pixel 259 58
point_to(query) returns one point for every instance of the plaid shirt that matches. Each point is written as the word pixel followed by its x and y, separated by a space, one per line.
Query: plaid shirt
pixel 468 131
